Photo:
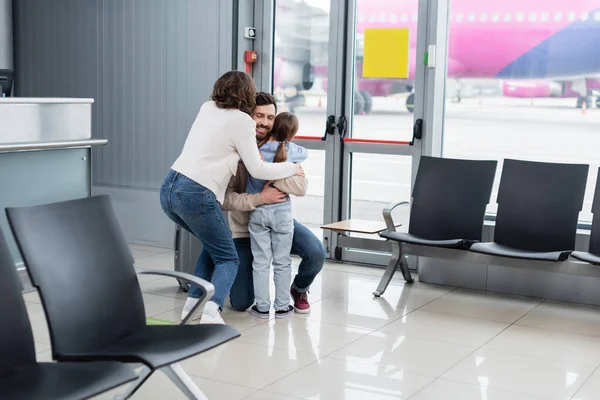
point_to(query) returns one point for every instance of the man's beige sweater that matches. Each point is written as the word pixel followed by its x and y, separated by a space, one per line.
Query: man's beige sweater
pixel 239 203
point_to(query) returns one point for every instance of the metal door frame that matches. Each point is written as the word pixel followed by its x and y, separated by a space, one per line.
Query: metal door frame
pixel 430 82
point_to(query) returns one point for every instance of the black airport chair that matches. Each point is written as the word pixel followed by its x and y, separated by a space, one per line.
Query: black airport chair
pixel 538 210
pixel 77 257
pixel 21 376
pixel 448 205
pixel 592 256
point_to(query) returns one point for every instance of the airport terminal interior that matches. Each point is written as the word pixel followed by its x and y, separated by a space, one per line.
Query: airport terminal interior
pixel 445 241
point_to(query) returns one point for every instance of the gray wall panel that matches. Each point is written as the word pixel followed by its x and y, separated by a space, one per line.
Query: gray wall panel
pixel 149 64
pixel 6 36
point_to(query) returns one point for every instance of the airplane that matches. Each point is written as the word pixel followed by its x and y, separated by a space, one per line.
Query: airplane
pixel 518 42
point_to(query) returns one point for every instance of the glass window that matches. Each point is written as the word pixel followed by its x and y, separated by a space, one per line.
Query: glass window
pixel 585 16
pixel 496 17
pixel 532 112
pixel 472 17
pixel 483 17
pixel 382 18
pixel 361 18
pixel 507 17
pixel 301 62
pixel 393 18
pixel 459 17
pixel 404 18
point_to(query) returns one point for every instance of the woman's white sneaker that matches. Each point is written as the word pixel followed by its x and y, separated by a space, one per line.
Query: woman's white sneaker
pixel 187 308
pixel 212 314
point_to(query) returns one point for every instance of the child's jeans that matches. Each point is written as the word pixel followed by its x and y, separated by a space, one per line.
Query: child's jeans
pixel 271 228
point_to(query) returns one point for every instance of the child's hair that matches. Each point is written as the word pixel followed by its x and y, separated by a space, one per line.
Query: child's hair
pixel 284 129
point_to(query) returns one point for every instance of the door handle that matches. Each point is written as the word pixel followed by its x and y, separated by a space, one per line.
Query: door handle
pixel 329 127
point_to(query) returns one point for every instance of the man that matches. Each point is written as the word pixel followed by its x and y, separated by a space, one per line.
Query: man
pixel 305 244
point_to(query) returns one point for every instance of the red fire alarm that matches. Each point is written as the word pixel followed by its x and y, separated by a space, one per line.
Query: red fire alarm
pixel 250 58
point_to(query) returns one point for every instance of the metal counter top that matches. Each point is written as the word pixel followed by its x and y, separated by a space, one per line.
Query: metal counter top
pixel 44 120
pixel 51 145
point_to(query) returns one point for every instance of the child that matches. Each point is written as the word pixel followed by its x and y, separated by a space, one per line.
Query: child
pixel 271 226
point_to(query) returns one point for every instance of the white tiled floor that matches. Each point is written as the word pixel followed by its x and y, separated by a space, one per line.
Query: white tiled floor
pixel 419 342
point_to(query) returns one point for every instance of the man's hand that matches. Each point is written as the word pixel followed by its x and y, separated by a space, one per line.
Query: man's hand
pixel 271 195
pixel 300 171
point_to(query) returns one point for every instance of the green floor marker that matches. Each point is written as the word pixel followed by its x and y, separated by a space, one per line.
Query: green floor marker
pixel 154 321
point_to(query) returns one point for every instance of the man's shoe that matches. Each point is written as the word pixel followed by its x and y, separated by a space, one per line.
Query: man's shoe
pixel 301 304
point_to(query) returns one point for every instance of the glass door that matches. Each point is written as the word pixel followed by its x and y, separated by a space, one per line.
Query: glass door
pixel 358 117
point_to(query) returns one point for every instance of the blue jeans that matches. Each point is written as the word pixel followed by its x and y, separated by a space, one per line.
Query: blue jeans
pixel 195 208
pixel 304 244
pixel 271 230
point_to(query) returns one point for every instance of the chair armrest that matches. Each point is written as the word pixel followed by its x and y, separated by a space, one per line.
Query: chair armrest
pixel 387 215
pixel 207 287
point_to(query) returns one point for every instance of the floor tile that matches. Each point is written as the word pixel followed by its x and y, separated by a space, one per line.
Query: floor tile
pixel 548 344
pixel 338 380
pixel 34 308
pixel 483 305
pixel 335 284
pixel 359 313
pixel 156 305
pixel 567 317
pixel 312 337
pixel 590 389
pixel 32 297
pixel 41 347
pixel 247 364
pixel 262 395
pixel 159 387
pixel 44 356
pixel 139 252
pixel 401 353
pixel 162 261
pixel 445 328
pixel 442 389
pixel 521 374
pixel 168 287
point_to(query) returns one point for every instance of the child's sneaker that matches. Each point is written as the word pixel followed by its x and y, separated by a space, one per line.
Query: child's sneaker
pixel 260 314
pixel 301 304
pixel 284 312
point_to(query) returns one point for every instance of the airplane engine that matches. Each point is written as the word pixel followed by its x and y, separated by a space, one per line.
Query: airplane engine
pixel 532 89
pixel 300 75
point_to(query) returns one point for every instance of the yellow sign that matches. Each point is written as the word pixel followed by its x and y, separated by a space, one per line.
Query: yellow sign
pixel 386 53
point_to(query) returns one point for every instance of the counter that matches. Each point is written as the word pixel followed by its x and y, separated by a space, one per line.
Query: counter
pixel 45 153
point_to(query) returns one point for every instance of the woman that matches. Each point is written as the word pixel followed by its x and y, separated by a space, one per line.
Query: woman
pixel 194 188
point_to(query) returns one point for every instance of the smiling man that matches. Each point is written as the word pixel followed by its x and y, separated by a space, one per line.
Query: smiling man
pixel 305 244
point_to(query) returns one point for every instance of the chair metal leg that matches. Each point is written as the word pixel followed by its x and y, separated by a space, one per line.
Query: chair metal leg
pixel 390 270
pixel 404 268
pixel 135 385
pixel 184 382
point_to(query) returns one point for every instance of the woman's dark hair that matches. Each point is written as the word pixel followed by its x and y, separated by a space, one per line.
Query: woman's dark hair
pixel 284 129
pixel 235 90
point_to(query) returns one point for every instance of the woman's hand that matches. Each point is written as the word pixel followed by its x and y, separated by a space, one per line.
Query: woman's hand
pixel 300 171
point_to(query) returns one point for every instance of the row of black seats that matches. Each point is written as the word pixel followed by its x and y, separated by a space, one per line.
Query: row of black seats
pixel 538 209
pixel 77 258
